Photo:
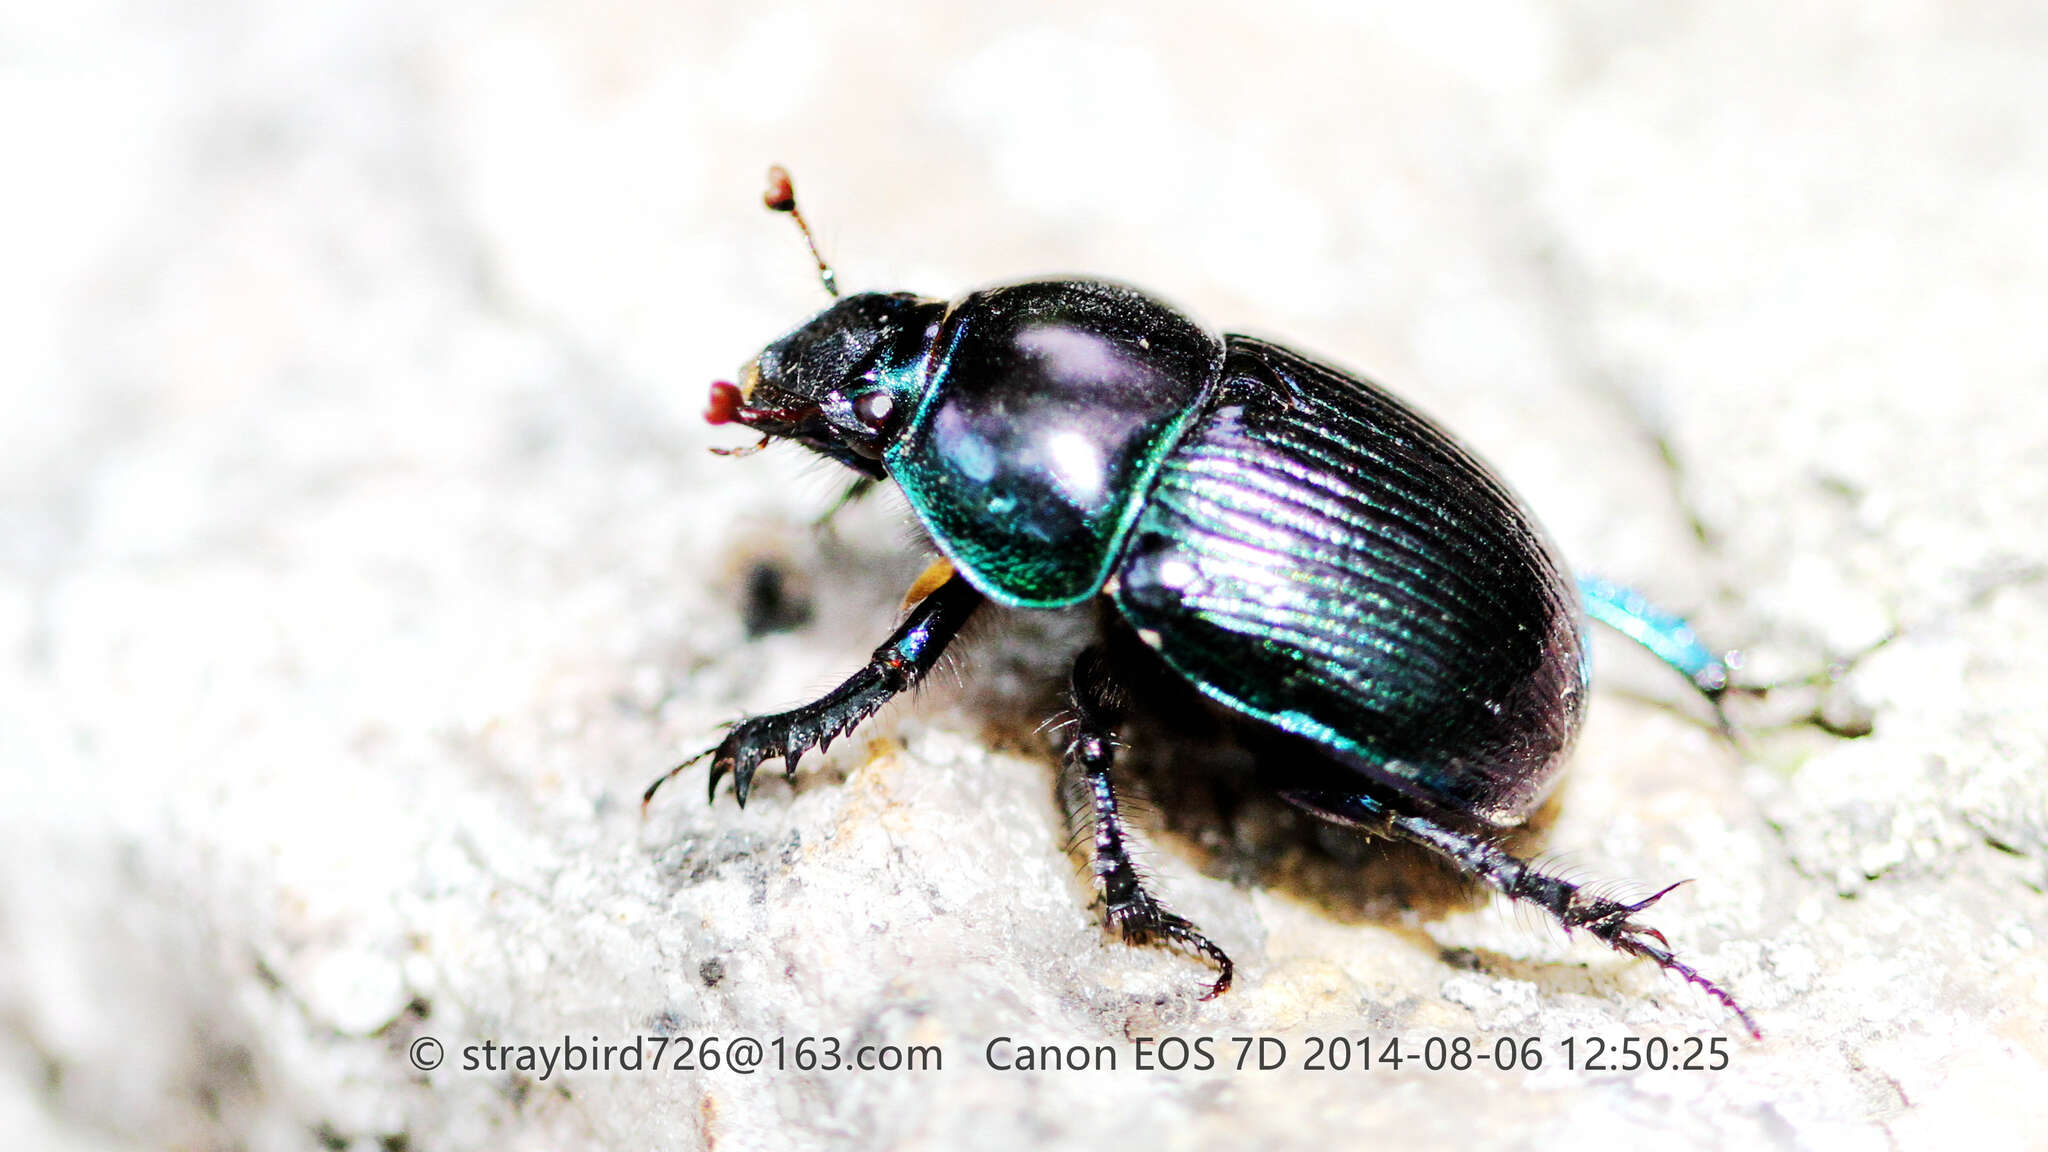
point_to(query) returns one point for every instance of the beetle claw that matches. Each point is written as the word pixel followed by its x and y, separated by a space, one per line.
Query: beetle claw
pixel 647 797
pixel 716 774
pixel 743 774
pixel 1224 969
pixel 1653 897
pixel 784 736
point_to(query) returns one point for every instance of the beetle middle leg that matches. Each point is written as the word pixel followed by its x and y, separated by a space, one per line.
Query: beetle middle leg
pixel 911 652
pixel 1135 913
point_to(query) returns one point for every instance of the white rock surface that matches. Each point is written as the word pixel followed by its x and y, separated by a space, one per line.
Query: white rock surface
pixel 361 560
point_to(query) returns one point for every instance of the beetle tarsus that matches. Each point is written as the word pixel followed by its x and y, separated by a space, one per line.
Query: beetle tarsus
pixel 1612 922
pixel 1136 914
pixel 1480 854
pixel 1143 920
pixel 1629 938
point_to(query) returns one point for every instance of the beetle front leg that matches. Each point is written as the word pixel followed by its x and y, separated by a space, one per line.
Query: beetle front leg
pixel 896 667
pixel 1135 913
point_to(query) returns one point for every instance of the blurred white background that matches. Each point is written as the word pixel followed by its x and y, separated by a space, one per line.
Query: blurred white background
pixel 361 558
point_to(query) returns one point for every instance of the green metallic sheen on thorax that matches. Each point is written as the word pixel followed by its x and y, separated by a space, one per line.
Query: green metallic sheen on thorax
pixel 1047 410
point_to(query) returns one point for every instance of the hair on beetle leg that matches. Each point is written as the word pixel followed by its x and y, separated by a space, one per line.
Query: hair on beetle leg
pixel 1077 836
pixel 1057 724
pixel 1566 867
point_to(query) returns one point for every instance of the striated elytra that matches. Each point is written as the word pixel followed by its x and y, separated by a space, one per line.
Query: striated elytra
pixel 1299 544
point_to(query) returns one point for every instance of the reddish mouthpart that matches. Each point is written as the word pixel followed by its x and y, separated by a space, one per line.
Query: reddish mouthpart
pixel 726 402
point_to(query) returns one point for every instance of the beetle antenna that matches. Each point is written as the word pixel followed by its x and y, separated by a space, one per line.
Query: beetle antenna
pixel 781 197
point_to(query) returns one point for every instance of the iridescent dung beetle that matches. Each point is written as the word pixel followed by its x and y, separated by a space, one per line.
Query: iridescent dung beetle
pixel 1297 543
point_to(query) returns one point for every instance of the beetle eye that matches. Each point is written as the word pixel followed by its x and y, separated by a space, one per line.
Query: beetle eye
pixel 873 408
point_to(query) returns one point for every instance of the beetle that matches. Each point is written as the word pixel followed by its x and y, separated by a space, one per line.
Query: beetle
pixel 1297 543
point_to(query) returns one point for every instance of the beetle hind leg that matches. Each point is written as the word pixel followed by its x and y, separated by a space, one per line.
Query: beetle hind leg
pixel 1136 914
pixel 1612 922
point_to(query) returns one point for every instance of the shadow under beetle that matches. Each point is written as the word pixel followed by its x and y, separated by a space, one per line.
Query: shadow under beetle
pixel 1294 541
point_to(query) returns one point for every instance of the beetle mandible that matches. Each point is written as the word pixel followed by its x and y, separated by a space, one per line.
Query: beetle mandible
pixel 1296 542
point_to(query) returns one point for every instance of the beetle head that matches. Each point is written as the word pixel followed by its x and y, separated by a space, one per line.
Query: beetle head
pixel 844 384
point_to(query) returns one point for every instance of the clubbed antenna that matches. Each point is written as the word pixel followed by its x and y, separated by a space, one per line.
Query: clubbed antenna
pixel 781 197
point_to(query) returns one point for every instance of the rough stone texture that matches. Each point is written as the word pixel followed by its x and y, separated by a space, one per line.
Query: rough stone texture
pixel 361 560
